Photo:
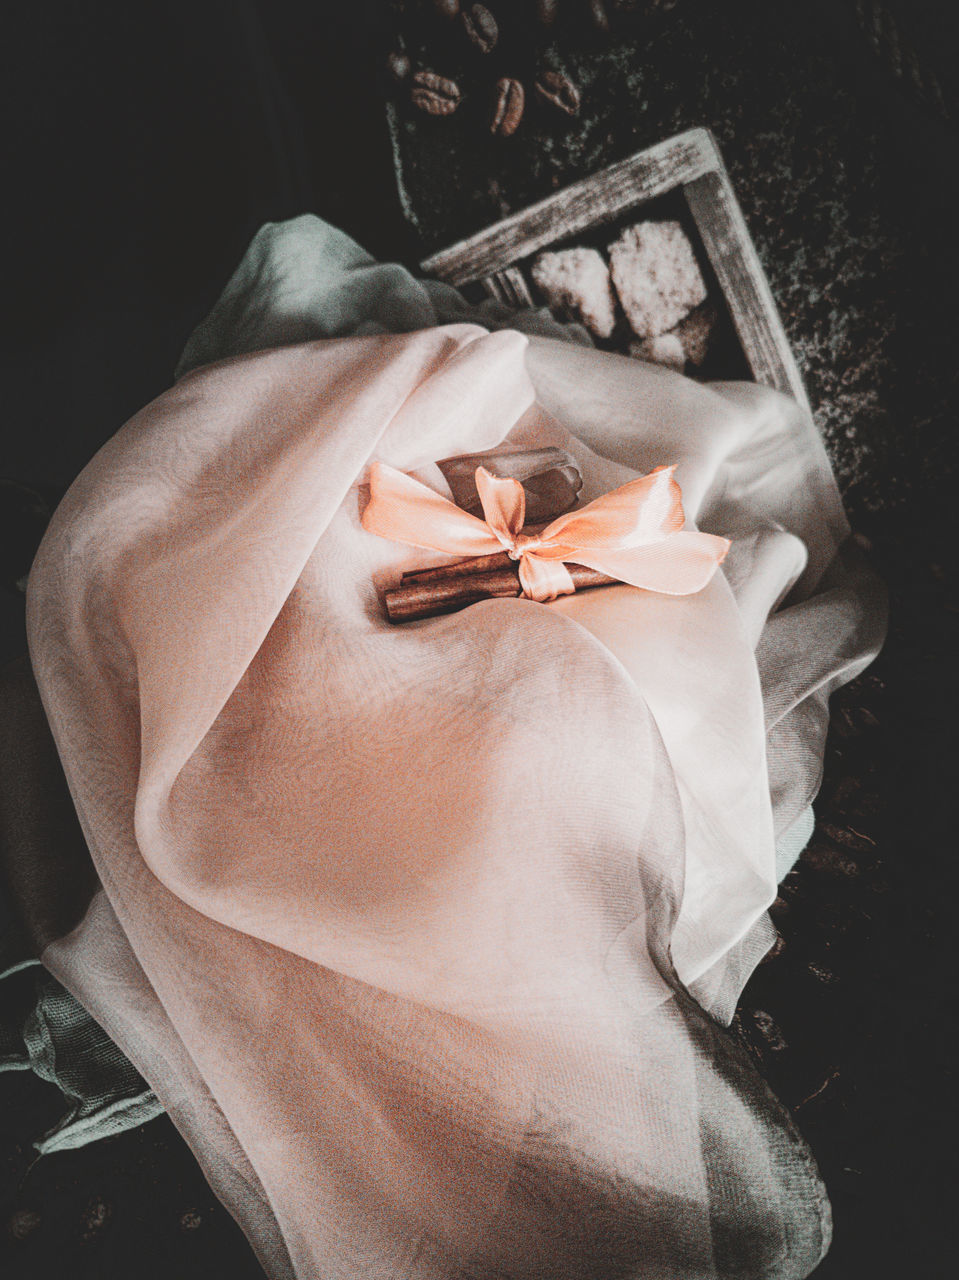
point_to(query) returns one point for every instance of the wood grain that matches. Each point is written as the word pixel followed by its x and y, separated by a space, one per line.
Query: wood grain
pixel 732 254
pixel 691 163
pixel 579 207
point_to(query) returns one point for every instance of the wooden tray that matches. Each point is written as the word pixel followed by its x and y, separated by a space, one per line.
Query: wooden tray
pixel 685 171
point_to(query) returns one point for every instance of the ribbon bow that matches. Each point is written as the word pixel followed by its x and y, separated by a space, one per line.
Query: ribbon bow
pixel 634 534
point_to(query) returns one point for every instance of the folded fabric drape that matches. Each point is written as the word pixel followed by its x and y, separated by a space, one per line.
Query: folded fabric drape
pixel 423 935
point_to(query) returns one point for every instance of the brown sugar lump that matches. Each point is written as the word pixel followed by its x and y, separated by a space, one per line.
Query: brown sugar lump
pixel 665 348
pixel 687 343
pixel 578 279
pixel 656 276
pixel 695 332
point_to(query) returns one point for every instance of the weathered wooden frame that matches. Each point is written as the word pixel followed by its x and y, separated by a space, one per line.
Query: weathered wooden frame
pixel 689 161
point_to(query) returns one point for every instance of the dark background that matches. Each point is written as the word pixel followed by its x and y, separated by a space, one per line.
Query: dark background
pixel 145 143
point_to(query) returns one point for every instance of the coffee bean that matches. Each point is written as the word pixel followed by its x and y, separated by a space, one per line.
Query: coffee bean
pixel 557 90
pixel 447 8
pixel 481 28
pixel 398 65
pixel 507 107
pixel 435 94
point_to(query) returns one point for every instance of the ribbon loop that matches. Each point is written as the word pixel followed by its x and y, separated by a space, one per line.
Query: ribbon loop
pixel 634 533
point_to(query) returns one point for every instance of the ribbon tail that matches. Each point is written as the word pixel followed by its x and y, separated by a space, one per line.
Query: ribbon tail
pixel 679 565
pixel 405 510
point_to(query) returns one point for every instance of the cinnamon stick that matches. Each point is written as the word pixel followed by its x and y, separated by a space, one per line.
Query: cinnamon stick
pixel 423 593
pixel 460 568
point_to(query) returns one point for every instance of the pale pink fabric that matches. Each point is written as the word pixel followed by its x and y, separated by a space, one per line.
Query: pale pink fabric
pixel 400 921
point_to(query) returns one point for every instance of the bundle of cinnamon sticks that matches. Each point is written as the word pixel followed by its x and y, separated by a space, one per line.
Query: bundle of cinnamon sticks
pixel 551 482
pixel 422 593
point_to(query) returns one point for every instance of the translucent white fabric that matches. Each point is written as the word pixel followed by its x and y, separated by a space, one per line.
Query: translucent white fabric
pixel 405 924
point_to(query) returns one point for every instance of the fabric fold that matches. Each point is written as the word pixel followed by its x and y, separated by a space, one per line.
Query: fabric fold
pixel 415 916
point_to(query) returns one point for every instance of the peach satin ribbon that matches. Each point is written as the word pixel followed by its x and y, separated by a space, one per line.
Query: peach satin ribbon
pixel 634 534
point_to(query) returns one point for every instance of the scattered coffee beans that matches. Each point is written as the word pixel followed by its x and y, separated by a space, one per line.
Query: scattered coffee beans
pixel 508 103
pixel 556 90
pixel 435 94
pixel 481 28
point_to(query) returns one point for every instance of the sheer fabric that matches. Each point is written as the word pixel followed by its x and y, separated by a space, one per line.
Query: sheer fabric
pixel 423 934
